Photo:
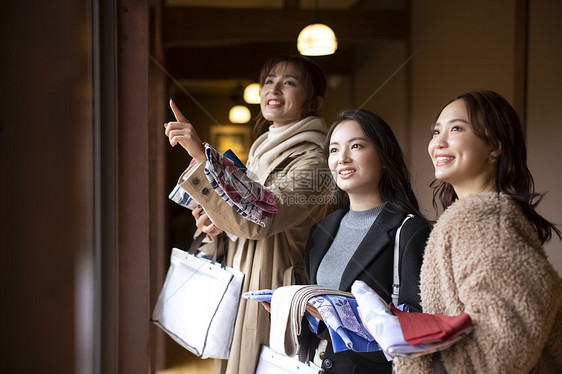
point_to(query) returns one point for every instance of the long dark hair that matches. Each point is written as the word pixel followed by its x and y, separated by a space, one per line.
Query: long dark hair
pixel 494 120
pixel 394 186
pixel 311 76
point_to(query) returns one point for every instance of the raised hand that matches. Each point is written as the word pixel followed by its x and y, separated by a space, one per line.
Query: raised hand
pixel 182 132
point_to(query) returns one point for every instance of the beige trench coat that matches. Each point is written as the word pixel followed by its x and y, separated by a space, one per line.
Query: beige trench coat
pixel 270 256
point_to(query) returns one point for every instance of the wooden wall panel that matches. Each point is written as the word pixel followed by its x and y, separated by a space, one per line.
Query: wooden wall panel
pixel 133 187
pixel 46 127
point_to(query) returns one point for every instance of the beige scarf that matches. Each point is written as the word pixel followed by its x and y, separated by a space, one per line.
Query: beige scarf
pixel 276 140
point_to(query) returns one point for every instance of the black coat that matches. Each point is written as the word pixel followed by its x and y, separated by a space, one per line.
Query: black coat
pixel 372 263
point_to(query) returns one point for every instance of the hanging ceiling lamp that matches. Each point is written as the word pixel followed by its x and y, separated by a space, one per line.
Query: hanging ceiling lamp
pixel 252 93
pixel 317 39
pixel 239 114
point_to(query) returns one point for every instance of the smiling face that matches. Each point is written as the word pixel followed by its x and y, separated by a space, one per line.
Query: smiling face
pixel 459 156
pixel 355 164
pixel 282 95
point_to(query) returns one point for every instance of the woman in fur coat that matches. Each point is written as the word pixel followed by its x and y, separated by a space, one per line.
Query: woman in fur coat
pixel 485 255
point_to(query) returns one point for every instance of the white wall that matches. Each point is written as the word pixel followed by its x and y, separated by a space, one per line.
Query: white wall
pixel 470 44
pixel 459 45
pixel 381 84
pixel 466 44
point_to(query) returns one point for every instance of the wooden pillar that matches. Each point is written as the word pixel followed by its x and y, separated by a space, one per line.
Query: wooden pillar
pixel 132 208
pixel 46 189
pixel 158 113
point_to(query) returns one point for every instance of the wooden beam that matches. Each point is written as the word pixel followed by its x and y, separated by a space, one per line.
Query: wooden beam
pixel 196 27
pixel 291 4
pixel 244 61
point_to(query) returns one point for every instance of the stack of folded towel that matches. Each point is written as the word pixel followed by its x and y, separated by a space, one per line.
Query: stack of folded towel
pixel 396 332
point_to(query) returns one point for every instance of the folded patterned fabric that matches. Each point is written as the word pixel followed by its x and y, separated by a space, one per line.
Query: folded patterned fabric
pixel 337 308
pixel 341 317
pixel 227 177
pixel 181 197
pixel 247 197
pixel 232 156
pixel 340 313
pixel 259 295
pixel 390 330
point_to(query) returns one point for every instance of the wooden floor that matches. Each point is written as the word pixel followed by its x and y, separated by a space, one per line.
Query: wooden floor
pixel 195 366
pixel 181 361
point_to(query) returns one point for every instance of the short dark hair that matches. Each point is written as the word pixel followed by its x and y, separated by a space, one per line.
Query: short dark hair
pixel 394 186
pixel 495 121
pixel 311 76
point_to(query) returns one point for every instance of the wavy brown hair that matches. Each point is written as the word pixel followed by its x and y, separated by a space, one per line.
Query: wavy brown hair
pixel 495 121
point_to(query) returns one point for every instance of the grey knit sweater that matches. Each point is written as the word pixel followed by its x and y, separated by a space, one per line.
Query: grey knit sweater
pixel 353 228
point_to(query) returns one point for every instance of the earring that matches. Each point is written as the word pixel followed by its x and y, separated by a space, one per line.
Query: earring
pixel 492 160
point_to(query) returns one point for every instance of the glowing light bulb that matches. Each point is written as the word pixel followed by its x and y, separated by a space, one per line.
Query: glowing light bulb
pixel 317 40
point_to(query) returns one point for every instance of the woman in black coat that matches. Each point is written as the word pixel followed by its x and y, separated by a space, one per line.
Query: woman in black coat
pixel 357 240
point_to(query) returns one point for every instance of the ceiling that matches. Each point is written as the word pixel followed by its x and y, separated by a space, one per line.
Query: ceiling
pixel 302 4
pixel 213 46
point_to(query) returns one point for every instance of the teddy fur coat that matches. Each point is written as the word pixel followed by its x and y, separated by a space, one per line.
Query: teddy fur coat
pixel 484 258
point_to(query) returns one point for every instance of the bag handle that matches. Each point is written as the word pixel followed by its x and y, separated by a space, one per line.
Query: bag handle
pixel 196 243
pixel 396 275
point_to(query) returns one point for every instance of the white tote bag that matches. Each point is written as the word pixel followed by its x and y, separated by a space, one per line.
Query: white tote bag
pixel 198 304
pixel 274 363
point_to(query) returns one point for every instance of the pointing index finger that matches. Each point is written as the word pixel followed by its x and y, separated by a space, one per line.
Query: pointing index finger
pixel 177 113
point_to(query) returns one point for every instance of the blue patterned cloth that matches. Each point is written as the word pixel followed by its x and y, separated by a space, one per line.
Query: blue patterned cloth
pixel 341 317
pixel 181 197
pixel 259 295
